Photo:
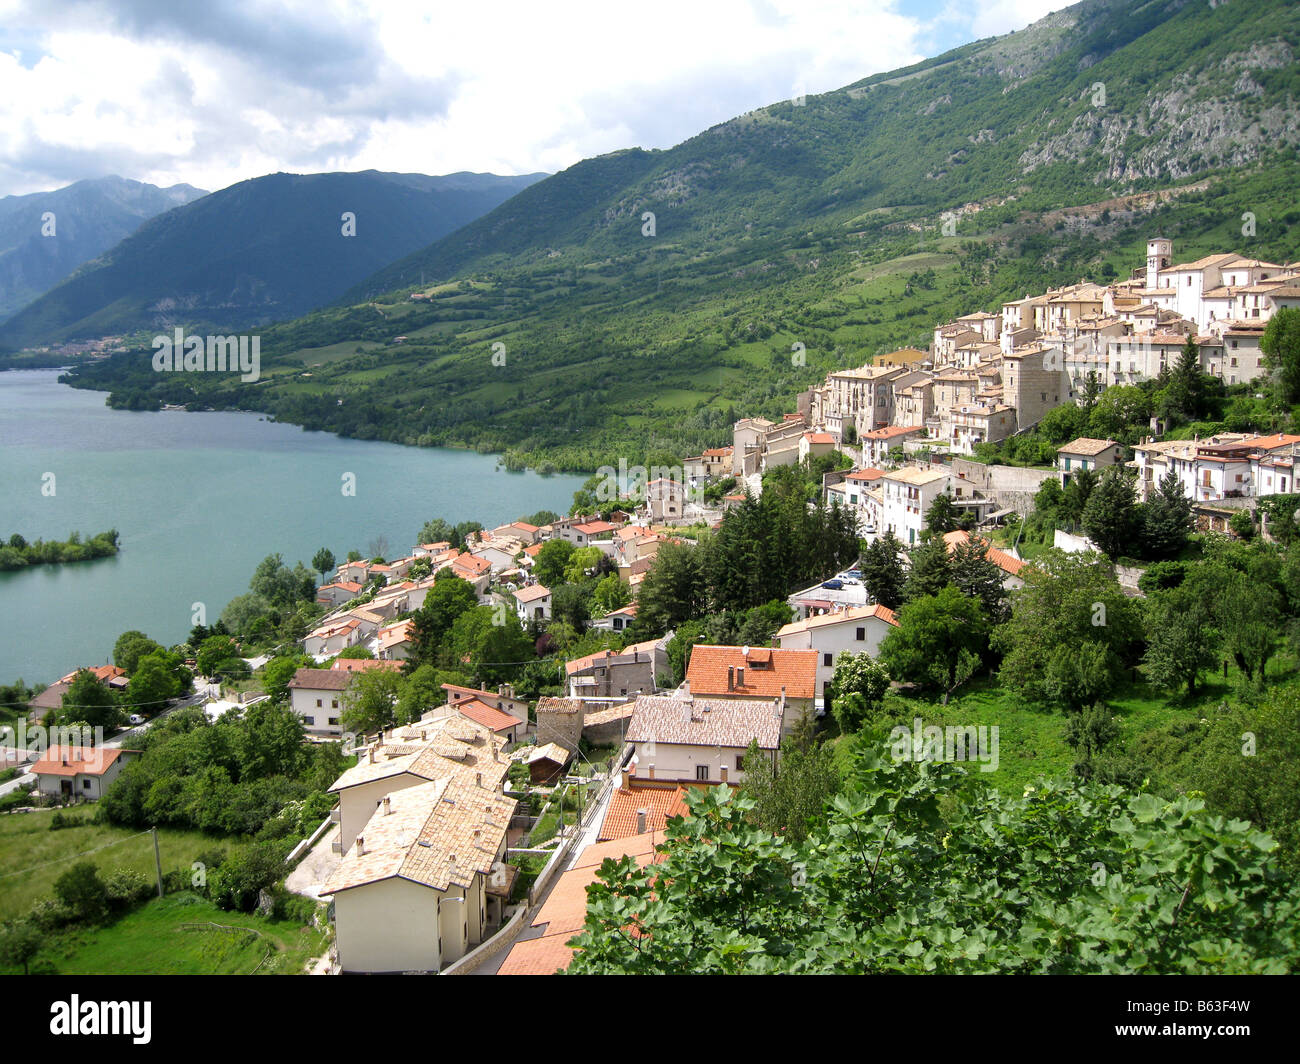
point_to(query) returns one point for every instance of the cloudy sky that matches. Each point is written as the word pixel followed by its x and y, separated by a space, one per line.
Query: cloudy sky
pixel 217 91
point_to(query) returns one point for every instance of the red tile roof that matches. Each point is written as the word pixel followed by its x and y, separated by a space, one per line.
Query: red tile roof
pixel 78 760
pixel 766 672
pixel 661 805
pixel 481 713
pixel 321 679
pixel 363 664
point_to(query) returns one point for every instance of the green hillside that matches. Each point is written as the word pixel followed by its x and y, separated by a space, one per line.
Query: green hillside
pixel 818 224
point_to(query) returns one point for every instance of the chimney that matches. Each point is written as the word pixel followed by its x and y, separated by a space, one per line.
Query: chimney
pixel 361 845
pixel 372 755
pixel 731 677
pixel 640 821
pixel 650 770
pixel 388 805
pixel 723 771
pixel 478 778
pixel 627 779
pixel 740 678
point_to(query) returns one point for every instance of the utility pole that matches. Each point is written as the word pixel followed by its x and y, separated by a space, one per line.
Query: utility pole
pixel 157 860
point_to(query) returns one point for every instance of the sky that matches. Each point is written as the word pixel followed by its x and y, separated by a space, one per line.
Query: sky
pixel 218 91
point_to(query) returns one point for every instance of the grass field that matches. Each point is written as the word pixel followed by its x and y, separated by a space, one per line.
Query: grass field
pixel 1031 739
pixel 32 856
pixel 183 934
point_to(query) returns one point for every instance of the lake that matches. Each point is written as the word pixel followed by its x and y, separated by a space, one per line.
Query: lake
pixel 199 499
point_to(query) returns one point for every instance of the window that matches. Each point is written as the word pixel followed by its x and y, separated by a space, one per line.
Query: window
pixel 702 772
pixel 334 703
pixel 318 703
pixel 85 785
pixel 334 721
pixel 740 762
pixel 309 721
pixel 826 660
pixel 861 634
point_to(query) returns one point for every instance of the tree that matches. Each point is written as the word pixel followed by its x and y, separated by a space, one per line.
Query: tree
pixel 978 578
pixel 1075 495
pixel 580 561
pixel 930 570
pixel 89 701
pixel 857 689
pixel 610 594
pixel 82 892
pixel 370 700
pixel 1181 638
pixel 323 561
pixel 1167 519
pixel 447 600
pixel 277 673
pixel 938 641
pixel 1185 395
pixel 911 845
pixel 271 742
pixel 1067 602
pixel 1280 346
pixel 688 635
pixel 882 570
pixel 1089 733
pixel 551 560
pixel 247 614
pixel 1248 614
pixel 1111 517
pixel 789 796
pixel 673 590
pixel 500 651
pixel 438 531
pixel 944 516
pixel 130 648
pixel 215 655
pixel 19 943
pixel 156 682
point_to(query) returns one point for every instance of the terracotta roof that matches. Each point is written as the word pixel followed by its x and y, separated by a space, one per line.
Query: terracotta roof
pixel 78 760
pixel 916 476
pixel 563 914
pixel 533 593
pixel 767 671
pixel 819 437
pixel 488 716
pixel 321 679
pixel 888 432
pixel 620 657
pixel 434 747
pixel 1008 563
pixel 868 475
pixel 363 665
pixel 595 528
pixel 849 616
pixel 660 803
pixel 102 673
pixel 471 563
pixel 344 584
pixel 730 722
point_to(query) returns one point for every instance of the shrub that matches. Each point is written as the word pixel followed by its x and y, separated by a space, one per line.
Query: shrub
pixel 237 883
pixel 125 886
pixel 82 893
pixel 49 914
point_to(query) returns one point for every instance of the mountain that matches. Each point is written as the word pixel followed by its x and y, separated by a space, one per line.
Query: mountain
pixel 89 217
pixel 261 250
pixel 799 238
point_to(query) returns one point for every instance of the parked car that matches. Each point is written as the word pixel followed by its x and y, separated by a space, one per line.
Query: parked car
pixel 834 585
pixel 135 718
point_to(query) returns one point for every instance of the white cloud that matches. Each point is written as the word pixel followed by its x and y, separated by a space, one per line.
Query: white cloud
pixel 217 92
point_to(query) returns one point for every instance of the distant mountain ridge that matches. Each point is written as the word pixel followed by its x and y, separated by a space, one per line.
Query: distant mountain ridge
pixel 89 217
pixel 270 248
pixel 633 303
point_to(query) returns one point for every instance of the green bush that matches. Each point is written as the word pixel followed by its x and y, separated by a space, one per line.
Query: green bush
pixel 49 914
pixel 83 893
pixel 237 883
pixel 125 886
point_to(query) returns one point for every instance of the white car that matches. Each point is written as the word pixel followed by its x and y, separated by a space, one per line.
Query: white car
pixel 135 718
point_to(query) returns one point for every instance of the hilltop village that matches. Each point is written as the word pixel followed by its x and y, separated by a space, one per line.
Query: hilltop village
pixel 472 815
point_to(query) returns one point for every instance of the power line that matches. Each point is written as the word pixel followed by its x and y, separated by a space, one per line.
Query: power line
pixel 85 853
